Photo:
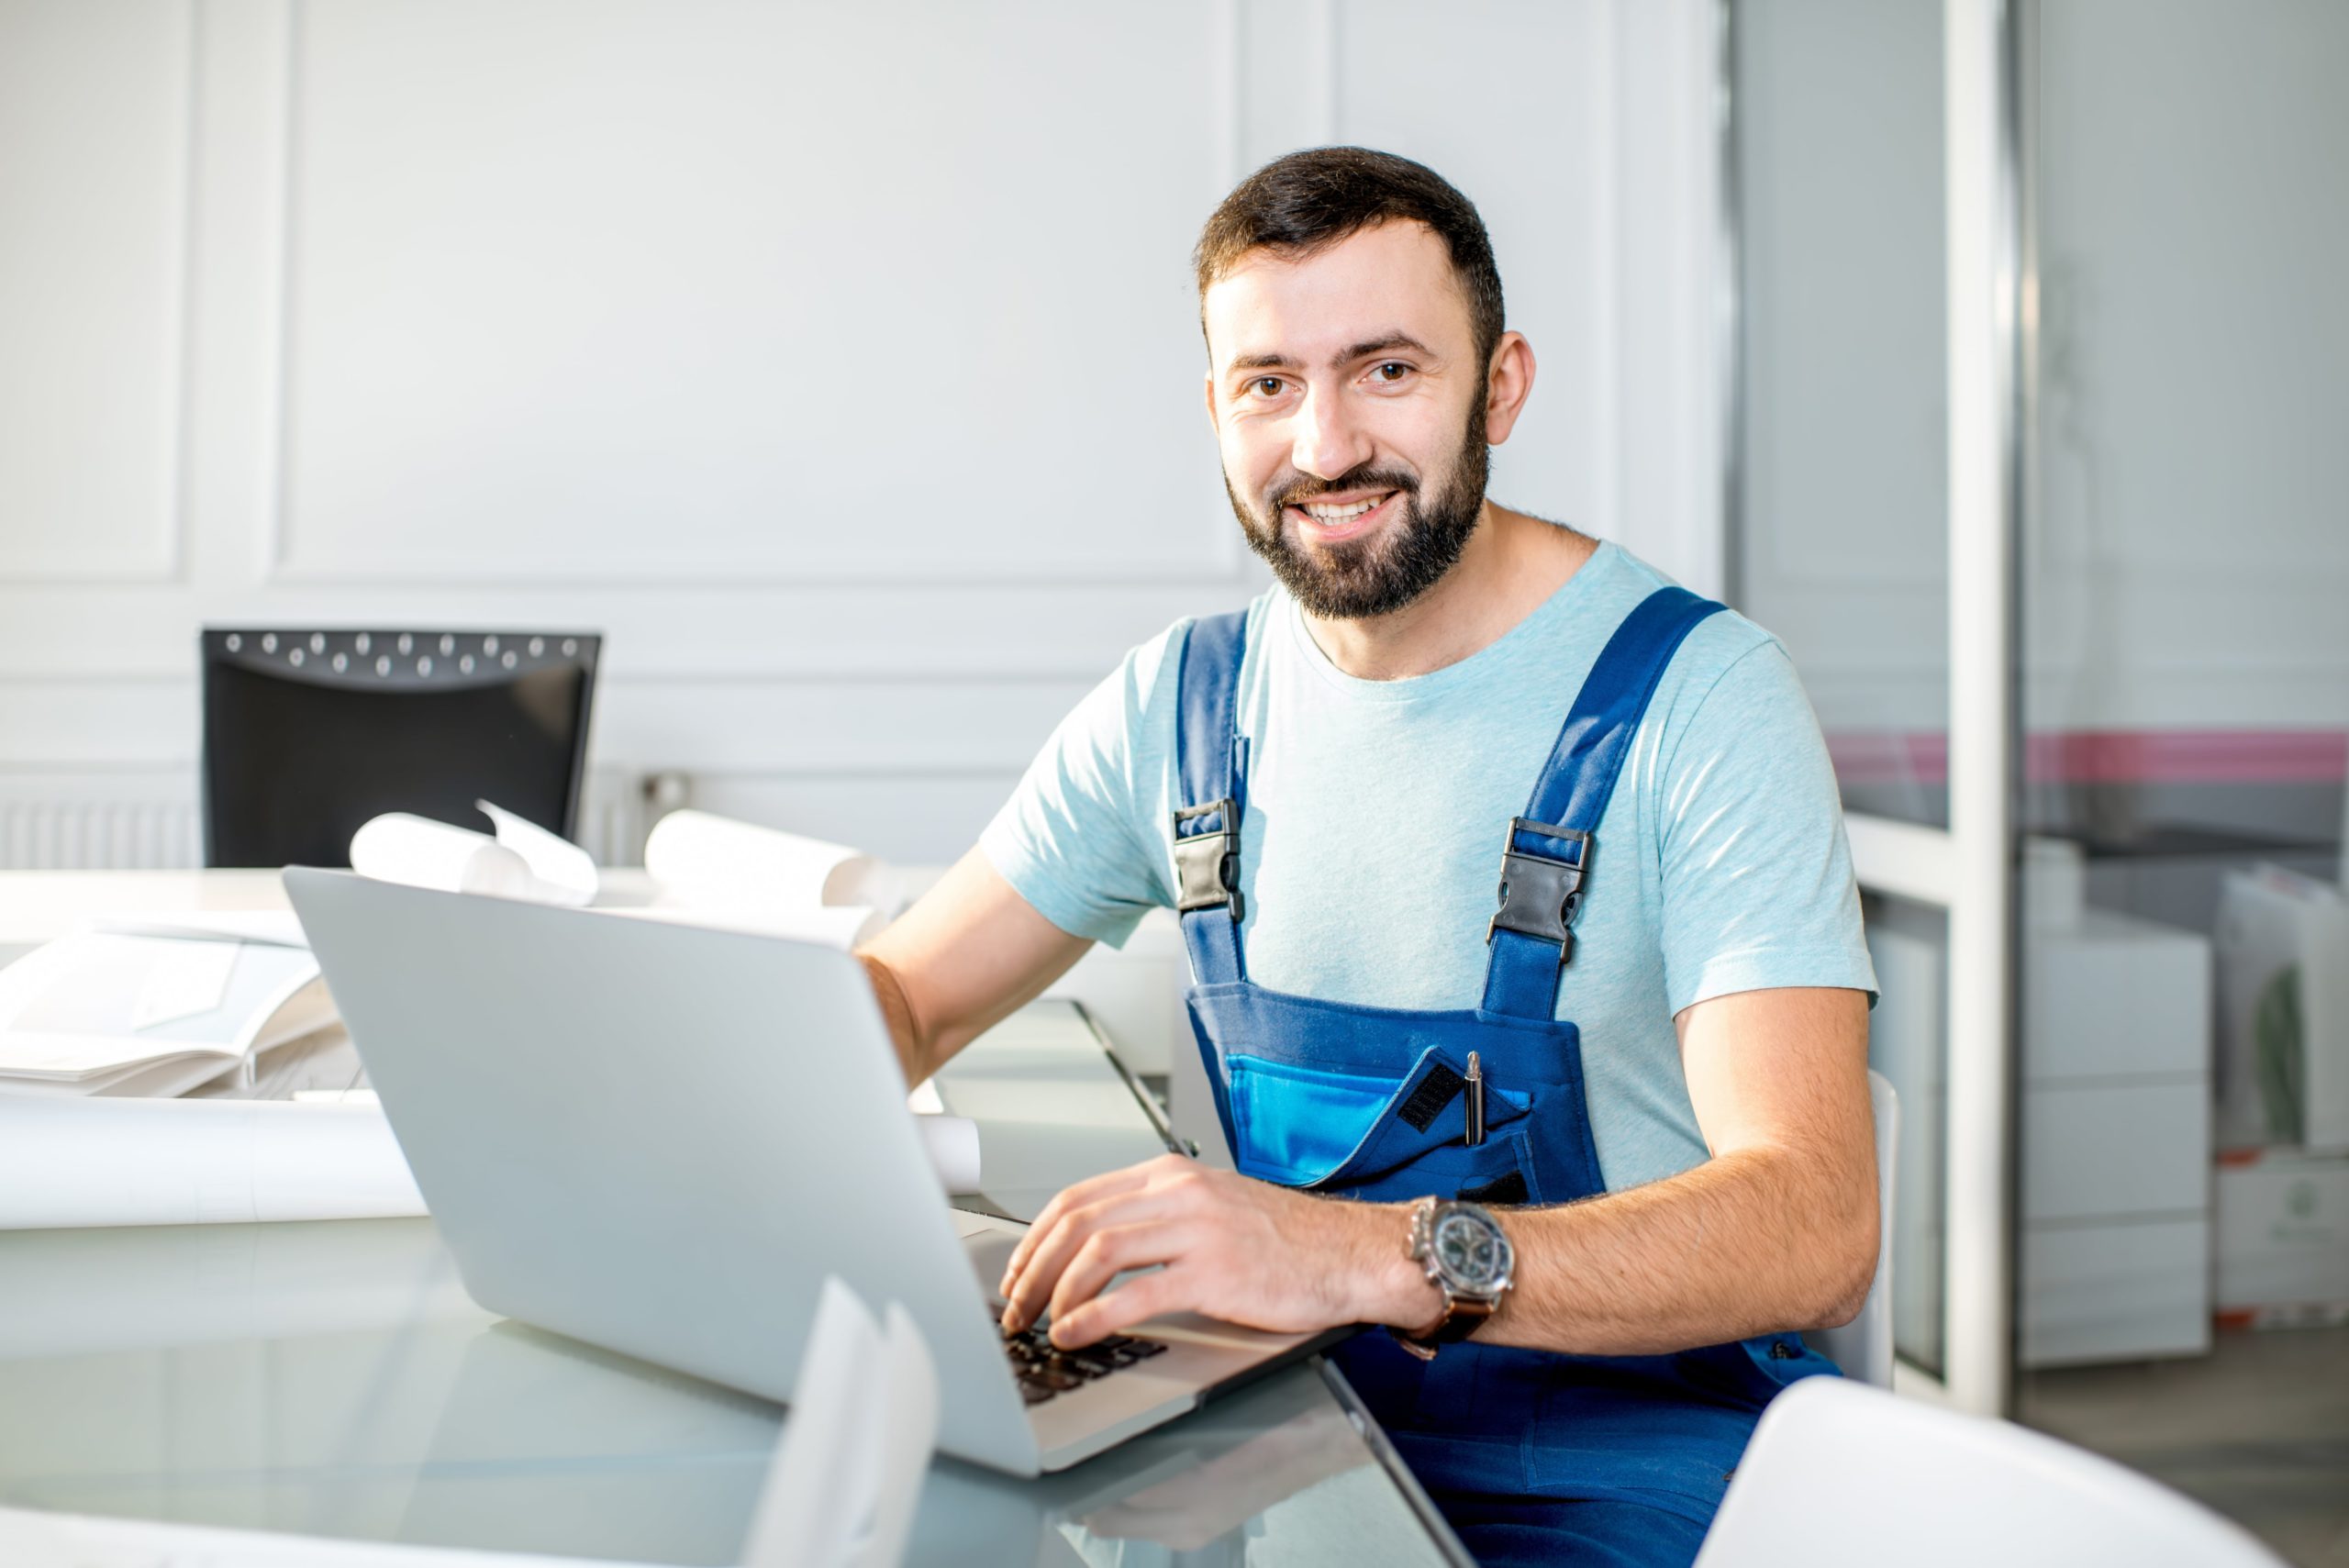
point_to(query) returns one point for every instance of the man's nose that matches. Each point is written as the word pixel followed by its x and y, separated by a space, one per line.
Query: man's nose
pixel 1329 443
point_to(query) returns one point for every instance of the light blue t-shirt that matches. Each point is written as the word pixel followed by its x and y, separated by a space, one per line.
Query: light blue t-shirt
pixel 1370 846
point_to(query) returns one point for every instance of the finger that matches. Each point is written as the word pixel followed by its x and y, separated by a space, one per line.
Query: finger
pixel 1112 1251
pixel 1093 1189
pixel 1168 1290
pixel 1034 1281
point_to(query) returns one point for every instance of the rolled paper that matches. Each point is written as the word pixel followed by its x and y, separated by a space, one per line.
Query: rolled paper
pixel 421 852
pixel 73 1163
pixel 700 859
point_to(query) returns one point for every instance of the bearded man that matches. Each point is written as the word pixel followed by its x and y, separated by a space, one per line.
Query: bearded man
pixel 1590 1140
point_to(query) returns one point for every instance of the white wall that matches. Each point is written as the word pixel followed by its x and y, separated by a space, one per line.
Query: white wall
pixel 838 361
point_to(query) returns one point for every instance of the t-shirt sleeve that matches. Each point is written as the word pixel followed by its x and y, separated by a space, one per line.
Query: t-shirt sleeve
pixel 1756 871
pixel 1075 839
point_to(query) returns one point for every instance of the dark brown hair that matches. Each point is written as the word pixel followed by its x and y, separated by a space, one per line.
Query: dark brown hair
pixel 1309 201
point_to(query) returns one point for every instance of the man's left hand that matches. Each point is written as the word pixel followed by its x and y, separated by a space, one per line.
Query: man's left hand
pixel 1223 1244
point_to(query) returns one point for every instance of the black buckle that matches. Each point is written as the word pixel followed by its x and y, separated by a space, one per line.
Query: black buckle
pixel 1206 865
pixel 1539 895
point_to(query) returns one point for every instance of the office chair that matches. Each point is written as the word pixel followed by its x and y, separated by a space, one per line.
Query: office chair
pixel 308 734
pixel 1863 1347
pixel 1840 1476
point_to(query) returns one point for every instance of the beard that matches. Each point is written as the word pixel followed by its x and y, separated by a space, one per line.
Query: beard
pixel 1358 578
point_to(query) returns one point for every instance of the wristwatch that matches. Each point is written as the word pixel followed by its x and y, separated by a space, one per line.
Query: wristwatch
pixel 1466 1255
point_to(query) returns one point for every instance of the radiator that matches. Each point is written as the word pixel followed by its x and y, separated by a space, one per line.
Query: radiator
pixel 100 831
pixel 148 821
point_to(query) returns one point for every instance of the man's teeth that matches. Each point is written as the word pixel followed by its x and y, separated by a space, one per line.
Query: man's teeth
pixel 1323 514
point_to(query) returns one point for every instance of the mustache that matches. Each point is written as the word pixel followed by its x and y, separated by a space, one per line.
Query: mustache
pixel 1306 487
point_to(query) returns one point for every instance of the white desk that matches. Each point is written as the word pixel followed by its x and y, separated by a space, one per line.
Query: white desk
pixel 335 1379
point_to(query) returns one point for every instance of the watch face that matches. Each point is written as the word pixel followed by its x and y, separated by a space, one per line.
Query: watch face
pixel 1470 1249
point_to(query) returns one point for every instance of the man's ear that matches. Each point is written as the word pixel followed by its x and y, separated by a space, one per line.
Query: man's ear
pixel 1508 382
pixel 1207 384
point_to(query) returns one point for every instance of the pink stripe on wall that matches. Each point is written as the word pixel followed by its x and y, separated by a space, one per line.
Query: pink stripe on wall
pixel 2110 756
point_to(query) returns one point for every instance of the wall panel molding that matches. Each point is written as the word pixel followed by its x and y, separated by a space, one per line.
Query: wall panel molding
pixel 94 423
pixel 651 549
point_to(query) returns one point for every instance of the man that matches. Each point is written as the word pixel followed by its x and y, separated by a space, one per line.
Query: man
pixel 1640 1087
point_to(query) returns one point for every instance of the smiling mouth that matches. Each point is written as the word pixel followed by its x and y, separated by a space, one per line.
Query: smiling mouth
pixel 1340 519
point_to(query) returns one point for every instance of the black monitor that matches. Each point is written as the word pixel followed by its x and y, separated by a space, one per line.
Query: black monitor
pixel 307 734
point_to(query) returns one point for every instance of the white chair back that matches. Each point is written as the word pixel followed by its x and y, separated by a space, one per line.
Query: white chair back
pixel 847 1475
pixel 1863 1347
pixel 1841 1476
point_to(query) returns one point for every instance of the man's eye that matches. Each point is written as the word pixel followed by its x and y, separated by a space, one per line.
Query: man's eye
pixel 1392 372
pixel 1267 385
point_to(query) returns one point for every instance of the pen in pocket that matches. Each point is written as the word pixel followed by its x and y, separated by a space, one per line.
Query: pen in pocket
pixel 1476 1100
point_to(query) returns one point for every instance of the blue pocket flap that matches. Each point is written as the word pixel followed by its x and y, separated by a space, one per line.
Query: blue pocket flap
pixel 1303 1126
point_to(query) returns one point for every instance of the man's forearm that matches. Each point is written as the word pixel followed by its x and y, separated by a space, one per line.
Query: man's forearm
pixel 1752 1241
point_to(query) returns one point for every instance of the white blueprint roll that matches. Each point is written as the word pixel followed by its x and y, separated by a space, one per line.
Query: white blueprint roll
pixel 417 850
pixel 76 1161
pixel 698 858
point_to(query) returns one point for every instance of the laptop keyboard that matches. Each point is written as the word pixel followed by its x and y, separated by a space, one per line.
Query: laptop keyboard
pixel 1044 1371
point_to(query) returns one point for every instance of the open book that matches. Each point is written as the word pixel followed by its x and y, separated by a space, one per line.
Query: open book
pixel 130 1008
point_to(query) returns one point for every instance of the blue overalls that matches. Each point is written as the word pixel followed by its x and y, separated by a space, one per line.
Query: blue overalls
pixel 1535 1457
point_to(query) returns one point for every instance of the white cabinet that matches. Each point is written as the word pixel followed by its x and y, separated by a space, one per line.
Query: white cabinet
pixel 2116 1141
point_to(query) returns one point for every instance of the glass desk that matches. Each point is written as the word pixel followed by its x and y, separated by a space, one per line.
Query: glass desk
pixel 334 1379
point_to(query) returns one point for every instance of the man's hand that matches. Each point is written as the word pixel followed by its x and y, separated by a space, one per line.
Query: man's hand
pixel 1231 1247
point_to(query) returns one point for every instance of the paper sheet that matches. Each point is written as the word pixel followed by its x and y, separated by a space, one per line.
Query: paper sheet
pixel 565 871
pixel 265 928
pixel 521 860
pixel 953 1144
pixel 704 860
pixel 118 1161
pixel 189 979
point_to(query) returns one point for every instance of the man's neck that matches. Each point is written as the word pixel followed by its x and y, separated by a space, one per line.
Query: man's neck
pixel 1511 566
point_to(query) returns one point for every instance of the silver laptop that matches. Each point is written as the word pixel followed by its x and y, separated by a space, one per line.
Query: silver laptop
pixel 660 1139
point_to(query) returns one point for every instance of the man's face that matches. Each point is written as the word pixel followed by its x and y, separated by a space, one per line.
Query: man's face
pixel 1348 399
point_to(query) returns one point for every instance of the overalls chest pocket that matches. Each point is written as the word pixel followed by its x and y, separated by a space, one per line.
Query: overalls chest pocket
pixel 1312 1126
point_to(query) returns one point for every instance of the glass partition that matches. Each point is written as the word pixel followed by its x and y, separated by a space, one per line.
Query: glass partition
pixel 1863 149
pixel 1840 540
pixel 2184 626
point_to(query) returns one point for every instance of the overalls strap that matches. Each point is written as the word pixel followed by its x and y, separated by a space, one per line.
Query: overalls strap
pixel 1547 855
pixel 1212 762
